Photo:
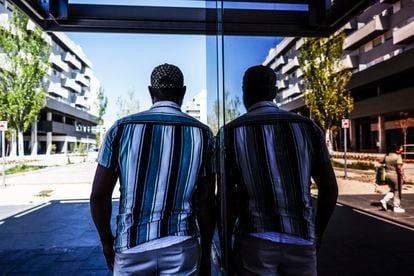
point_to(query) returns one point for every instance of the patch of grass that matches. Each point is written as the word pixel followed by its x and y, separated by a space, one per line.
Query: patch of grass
pixel 355 165
pixel 44 193
pixel 22 168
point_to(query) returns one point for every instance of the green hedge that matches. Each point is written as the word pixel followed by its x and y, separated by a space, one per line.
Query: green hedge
pixel 22 168
pixel 355 165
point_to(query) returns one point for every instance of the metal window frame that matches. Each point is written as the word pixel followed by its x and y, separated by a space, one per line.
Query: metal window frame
pixel 321 19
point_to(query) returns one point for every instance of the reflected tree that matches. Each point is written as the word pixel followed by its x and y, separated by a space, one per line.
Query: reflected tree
pixel 127 105
pixel 231 112
pixel 326 77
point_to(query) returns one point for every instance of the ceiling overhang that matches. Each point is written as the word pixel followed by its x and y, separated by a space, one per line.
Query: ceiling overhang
pixel 313 18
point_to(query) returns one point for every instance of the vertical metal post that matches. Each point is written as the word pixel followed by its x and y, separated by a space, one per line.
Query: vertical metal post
pixel 3 154
pixel 345 148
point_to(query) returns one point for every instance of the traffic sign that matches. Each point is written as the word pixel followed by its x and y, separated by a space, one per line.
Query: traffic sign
pixel 3 125
pixel 345 123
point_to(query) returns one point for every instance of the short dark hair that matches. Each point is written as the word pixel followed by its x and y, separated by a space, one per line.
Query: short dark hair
pixel 259 83
pixel 167 83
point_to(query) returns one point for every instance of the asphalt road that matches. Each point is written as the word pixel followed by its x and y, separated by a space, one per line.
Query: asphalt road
pixel 358 244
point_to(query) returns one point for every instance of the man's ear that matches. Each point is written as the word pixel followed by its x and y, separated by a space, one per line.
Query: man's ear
pixel 150 89
pixel 183 90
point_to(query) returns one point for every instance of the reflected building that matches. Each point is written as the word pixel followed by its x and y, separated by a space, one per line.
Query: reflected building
pixel 69 116
pixel 379 49
pixel 197 107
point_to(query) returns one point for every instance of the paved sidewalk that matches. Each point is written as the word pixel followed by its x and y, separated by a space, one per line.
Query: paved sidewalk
pixel 360 192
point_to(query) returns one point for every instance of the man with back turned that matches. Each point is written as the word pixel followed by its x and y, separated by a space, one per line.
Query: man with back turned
pixel 163 159
pixel 271 156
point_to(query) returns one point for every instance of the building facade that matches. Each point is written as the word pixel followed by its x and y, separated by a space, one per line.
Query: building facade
pixel 197 107
pixel 69 116
pixel 379 49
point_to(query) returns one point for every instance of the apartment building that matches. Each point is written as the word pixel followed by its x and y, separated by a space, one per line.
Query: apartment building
pixel 379 49
pixel 69 116
pixel 197 107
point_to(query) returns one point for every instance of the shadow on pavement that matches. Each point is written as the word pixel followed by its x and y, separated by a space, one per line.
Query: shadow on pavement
pixel 357 244
pixel 58 238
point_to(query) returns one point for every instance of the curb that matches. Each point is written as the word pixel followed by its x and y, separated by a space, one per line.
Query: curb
pixel 398 220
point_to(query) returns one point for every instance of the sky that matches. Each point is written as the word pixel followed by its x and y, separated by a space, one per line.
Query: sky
pixel 123 62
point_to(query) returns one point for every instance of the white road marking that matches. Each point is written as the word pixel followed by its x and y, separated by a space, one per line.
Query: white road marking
pixel 74 201
pixel 32 210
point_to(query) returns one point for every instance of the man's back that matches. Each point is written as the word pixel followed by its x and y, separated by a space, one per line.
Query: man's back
pixel 163 160
pixel 274 153
pixel 160 154
pixel 271 156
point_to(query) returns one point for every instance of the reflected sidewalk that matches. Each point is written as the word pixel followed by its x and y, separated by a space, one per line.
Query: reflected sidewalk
pixel 360 192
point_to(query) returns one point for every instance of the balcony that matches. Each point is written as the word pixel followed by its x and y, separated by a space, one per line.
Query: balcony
pixel 350 62
pixel 281 85
pixel 351 26
pixel 71 59
pixel 377 26
pixel 81 102
pixel 290 66
pixel 292 91
pixel 81 79
pixel 299 43
pixel 270 57
pixel 5 62
pixel 278 63
pixel 284 45
pixel 58 63
pixel 72 85
pixel 88 72
pixel 57 90
pixel 405 34
pixel 4 20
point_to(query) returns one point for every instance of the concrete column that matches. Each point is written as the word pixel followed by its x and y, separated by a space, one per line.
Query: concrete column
pixel 34 141
pixel 49 135
pixel 381 134
pixel 65 147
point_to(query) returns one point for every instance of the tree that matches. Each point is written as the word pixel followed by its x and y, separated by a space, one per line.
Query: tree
pixel 231 112
pixel 129 105
pixel 325 78
pixel 23 66
pixel 101 104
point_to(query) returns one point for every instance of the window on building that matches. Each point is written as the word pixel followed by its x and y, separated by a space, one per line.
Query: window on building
pixel 377 41
pixel 388 35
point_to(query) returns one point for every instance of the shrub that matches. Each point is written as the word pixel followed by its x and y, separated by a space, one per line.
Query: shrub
pixel 355 165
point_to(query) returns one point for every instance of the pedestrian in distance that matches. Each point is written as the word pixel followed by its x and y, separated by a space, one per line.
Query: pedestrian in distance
pixel 271 156
pixel 163 159
pixel 394 176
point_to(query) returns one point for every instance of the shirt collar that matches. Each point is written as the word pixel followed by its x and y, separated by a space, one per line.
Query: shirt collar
pixel 165 104
pixel 262 104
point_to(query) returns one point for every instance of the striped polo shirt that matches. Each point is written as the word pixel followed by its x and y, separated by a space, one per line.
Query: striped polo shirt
pixel 159 155
pixel 270 154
